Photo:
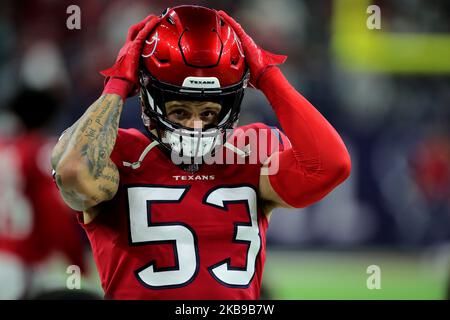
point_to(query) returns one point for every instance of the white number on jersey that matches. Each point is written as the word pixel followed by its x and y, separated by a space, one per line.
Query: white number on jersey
pixel 143 231
pixel 246 233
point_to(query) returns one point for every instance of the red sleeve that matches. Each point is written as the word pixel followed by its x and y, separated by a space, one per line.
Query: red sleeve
pixel 318 160
pixel 283 140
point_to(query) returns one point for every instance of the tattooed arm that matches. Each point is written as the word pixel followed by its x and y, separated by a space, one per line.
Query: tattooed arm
pixel 85 173
pixel 81 159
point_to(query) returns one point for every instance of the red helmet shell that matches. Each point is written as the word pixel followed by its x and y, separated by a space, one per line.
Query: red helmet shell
pixel 193 41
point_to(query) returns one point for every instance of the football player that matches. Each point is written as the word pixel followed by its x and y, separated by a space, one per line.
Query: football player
pixel 164 221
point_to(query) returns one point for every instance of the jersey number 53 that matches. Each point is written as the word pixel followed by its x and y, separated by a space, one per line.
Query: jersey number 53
pixel 144 231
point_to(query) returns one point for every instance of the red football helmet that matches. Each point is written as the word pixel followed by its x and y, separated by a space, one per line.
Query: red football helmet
pixel 192 54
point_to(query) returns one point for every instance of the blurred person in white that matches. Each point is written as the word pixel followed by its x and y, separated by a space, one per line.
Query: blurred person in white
pixel 36 228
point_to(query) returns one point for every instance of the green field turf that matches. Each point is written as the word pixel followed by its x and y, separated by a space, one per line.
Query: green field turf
pixel 342 275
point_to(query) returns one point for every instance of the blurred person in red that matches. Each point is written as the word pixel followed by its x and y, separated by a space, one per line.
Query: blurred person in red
pixel 35 224
pixel 164 221
pixel 430 168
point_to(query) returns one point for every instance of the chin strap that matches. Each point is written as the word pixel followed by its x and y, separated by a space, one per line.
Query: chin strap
pixel 245 152
pixel 137 164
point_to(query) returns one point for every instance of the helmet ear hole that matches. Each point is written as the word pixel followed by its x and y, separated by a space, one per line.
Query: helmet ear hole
pixel 162 60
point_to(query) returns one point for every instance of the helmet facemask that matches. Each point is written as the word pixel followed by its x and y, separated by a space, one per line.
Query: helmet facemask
pixel 189 145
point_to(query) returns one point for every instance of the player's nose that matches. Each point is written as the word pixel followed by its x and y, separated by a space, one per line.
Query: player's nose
pixel 194 122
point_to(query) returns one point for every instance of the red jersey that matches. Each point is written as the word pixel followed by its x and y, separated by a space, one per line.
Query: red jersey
pixel 34 221
pixel 170 234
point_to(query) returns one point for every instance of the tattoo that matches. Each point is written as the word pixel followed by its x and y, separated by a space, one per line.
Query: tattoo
pixel 60 148
pixel 91 139
pixel 109 178
pixel 84 126
pixel 101 139
pixel 106 191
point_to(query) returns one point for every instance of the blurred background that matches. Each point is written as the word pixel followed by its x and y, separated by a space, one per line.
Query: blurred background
pixel 386 91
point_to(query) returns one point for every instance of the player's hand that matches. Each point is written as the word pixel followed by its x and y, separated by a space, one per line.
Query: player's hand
pixel 257 58
pixel 122 77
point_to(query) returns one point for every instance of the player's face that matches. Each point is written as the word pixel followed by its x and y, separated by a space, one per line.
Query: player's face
pixel 193 114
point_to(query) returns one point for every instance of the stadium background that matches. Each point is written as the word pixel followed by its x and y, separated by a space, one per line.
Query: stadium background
pixel 387 92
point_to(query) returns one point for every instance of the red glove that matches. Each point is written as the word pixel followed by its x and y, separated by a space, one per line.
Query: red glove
pixel 122 77
pixel 257 58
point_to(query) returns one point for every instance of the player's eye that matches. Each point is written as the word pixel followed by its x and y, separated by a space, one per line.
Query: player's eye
pixel 179 114
pixel 209 116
